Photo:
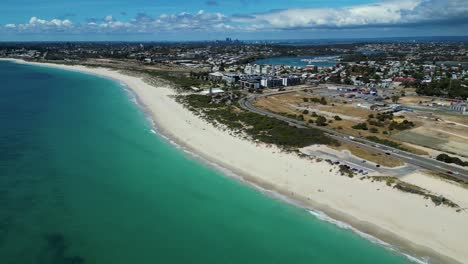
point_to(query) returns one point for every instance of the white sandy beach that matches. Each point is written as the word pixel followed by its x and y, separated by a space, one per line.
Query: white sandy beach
pixel 399 218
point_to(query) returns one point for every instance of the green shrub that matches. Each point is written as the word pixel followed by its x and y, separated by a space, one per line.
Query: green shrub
pixel 360 126
pixel 447 159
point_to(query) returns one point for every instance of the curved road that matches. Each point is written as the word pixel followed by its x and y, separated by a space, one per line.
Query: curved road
pixel 410 158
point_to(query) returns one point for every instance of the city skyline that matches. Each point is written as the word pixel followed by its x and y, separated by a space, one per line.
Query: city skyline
pixel 24 20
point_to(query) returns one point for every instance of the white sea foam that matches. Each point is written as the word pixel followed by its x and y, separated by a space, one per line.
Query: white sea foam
pixel 324 217
pixel 225 171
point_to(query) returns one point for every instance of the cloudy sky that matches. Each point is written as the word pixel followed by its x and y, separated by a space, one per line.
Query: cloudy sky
pixel 160 20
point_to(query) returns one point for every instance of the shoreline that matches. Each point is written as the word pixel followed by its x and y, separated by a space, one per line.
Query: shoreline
pixel 286 191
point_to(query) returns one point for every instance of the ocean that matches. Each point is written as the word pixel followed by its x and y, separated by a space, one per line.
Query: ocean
pixel 83 179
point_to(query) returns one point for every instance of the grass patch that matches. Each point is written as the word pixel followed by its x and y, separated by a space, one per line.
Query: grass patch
pixel 386 142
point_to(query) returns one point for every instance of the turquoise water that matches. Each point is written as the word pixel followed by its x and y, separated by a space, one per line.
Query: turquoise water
pixel 320 61
pixel 83 180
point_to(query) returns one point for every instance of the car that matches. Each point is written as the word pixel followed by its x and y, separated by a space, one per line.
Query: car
pixel 387 153
pixel 450 172
pixel 378 165
pixel 363 161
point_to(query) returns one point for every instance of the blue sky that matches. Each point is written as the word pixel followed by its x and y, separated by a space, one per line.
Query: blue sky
pixel 216 19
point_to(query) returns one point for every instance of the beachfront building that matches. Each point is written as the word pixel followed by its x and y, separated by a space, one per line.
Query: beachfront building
pixel 271 82
pixel 250 82
pixel 291 80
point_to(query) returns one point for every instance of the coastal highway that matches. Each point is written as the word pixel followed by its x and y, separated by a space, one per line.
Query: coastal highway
pixel 410 158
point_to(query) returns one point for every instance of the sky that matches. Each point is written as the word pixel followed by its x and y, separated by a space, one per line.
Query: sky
pixel 174 20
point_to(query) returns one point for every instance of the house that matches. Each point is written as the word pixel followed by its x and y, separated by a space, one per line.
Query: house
pixel 215 76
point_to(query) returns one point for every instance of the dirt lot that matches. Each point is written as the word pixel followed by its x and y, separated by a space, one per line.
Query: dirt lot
pixel 440 137
pixel 294 104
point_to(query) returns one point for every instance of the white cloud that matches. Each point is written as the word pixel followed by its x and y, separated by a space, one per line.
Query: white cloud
pixel 40 25
pixel 384 13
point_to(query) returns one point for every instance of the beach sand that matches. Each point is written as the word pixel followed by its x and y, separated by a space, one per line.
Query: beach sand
pixel 410 222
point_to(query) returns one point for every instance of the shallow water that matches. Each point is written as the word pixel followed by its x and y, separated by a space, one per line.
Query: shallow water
pixel 84 180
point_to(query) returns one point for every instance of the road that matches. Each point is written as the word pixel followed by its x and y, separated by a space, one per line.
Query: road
pixel 410 158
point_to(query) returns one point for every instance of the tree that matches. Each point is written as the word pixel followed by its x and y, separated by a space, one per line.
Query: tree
pixel 395 99
pixel 321 121
pixel 361 126
pixel 323 101
pixel 348 81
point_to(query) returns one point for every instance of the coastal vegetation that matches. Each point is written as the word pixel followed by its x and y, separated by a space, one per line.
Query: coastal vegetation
pixel 386 142
pixel 413 189
pixel 345 170
pixel 258 127
pixel 180 80
pixel 448 159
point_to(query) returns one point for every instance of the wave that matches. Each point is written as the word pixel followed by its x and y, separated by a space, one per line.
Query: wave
pixel 227 172
pixel 324 217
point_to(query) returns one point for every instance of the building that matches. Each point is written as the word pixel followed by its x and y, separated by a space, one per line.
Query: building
pixel 291 80
pixel 404 79
pixel 215 76
pixel 271 82
pixel 231 78
pixel 250 82
pixel 249 69
pixel 212 91
pixel 460 107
